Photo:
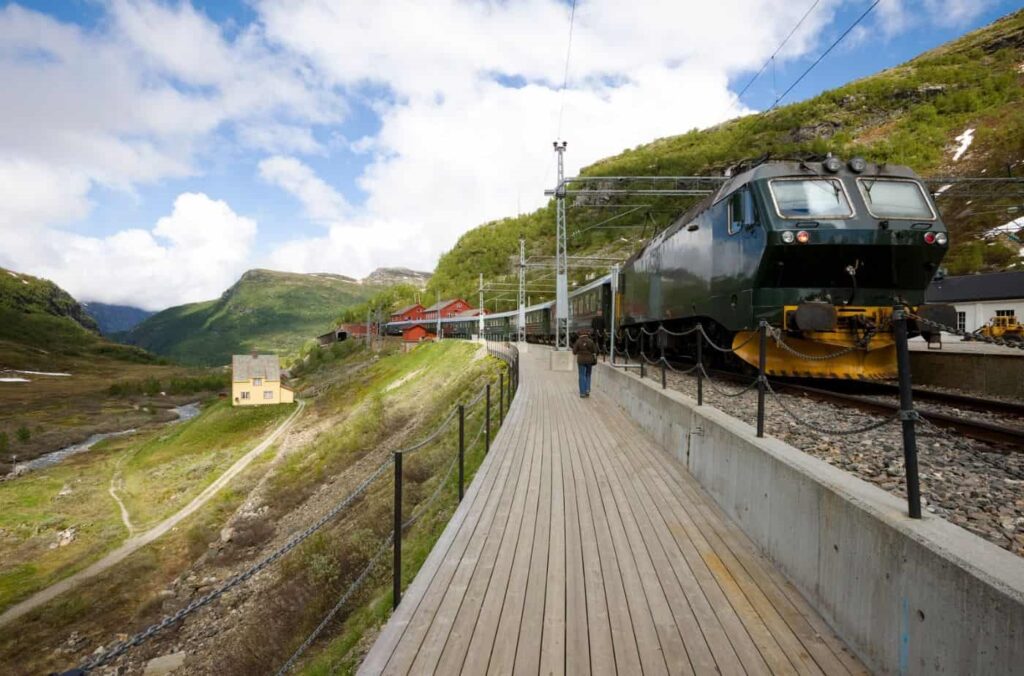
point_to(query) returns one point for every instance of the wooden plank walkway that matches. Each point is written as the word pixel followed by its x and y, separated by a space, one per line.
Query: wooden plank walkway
pixel 582 547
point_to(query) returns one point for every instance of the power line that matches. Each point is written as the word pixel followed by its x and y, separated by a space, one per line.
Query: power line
pixel 565 74
pixel 824 54
pixel 771 58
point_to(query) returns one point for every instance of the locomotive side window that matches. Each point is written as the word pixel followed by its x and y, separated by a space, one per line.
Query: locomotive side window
pixel 887 198
pixel 741 211
pixel 810 198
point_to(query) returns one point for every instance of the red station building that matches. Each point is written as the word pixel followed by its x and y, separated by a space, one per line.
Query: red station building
pixel 447 308
pixel 408 314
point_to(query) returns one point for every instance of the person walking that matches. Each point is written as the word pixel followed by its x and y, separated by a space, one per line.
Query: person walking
pixel 586 356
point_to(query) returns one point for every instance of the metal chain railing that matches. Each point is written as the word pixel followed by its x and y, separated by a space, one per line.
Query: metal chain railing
pixel 823 430
pixel 727 393
pixel 776 334
pixel 352 588
pixel 964 334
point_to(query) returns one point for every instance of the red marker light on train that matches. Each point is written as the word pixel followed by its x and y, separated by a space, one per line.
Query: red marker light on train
pixel 929 238
pixel 803 237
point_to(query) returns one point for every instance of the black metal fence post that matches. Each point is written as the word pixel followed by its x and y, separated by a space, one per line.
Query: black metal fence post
pixel 487 429
pixel 761 357
pixel 396 570
pixel 501 397
pixel 700 367
pixel 643 372
pixel 662 368
pixel 462 449
pixel 907 413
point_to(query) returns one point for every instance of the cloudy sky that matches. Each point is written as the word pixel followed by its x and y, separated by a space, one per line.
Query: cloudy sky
pixel 150 152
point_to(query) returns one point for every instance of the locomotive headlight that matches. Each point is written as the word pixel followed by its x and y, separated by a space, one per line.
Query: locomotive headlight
pixel 857 165
pixel 929 238
pixel 803 237
pixel 788 236
pixel 941 238
pixel 832 164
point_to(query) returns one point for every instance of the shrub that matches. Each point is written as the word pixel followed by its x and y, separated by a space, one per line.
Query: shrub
pixel 23 434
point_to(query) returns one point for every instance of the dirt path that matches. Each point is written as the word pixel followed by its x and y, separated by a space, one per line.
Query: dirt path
pixel 133 544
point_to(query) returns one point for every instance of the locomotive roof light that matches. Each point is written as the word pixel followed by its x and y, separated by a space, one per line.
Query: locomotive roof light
pixel 803 237
pixel 788 236
pixel 941 239
pixel 832 165
pixel 858 165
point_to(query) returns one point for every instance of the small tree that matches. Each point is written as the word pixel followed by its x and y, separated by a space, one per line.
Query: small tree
pixel 23 434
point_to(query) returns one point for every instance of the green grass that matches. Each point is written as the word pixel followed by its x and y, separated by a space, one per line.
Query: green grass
pixel 909 115
pixel 265 310
pixel 165 472
pixel 162 470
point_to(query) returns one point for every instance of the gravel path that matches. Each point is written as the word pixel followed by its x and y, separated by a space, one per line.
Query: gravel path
pixel 966 482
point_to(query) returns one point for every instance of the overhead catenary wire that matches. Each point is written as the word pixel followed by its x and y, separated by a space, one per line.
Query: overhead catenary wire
pixel 565 73
pixel 823 55
pixel 778 49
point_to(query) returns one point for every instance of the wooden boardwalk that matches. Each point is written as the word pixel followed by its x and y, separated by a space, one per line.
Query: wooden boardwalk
pixel 582 547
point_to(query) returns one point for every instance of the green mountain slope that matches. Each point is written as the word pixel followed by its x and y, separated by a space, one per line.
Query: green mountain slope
pixel 42 326
pixel 265 310
pixel 910 114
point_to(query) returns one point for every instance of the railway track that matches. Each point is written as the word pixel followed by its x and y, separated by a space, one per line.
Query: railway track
pixel 1003 437
pixel 1009 438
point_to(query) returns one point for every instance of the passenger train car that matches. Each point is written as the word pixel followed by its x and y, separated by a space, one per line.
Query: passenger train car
pixel 819 250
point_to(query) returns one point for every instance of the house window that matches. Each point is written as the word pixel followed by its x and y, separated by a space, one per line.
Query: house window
pixel 961 321
pixel 269 394
pixel 257 382
pixel 245 395
pixel 1004 313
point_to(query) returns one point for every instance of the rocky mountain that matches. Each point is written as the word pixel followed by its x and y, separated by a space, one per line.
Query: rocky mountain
pixel 391 276
pixel 264 310
pixel 113 319
pixel 956 110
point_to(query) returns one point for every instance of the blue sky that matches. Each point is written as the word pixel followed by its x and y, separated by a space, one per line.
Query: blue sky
pixel 155 150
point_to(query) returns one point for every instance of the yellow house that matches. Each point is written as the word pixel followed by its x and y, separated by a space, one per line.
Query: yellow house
pixel 256 380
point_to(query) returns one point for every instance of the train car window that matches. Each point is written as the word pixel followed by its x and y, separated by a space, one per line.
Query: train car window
pixel 736 212
pixel 888 198
pixel 810 198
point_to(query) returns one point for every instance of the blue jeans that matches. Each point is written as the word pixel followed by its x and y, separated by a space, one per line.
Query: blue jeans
pixel 585 370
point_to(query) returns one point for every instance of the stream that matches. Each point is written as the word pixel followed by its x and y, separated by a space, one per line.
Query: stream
pixel 184 412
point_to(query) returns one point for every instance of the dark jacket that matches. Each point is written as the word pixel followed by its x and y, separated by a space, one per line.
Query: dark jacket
pixel 585 350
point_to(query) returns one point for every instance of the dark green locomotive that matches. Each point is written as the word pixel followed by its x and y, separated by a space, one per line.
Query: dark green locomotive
pixel 821 250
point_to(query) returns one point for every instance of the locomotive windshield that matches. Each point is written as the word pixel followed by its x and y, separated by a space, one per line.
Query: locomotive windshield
pixel 887 198
pixel 810 198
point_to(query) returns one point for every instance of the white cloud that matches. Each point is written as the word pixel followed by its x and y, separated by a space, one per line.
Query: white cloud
pixel 320 201
pixel 193 254
pixel 157 91
pixel 138 99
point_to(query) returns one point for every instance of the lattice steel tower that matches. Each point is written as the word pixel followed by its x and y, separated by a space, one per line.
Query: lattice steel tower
pixel 561 258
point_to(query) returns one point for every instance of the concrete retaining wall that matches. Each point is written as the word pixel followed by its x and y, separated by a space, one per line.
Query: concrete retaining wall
pixel 909 596
pixel 983 374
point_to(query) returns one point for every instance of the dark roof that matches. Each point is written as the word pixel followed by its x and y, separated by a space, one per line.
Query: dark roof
pixel 406 309
pixel 991 286
pixel 443 304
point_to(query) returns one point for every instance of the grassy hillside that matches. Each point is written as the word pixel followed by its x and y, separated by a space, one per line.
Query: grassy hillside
pixel 265 310
pixel 43 327
pixel 910 114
